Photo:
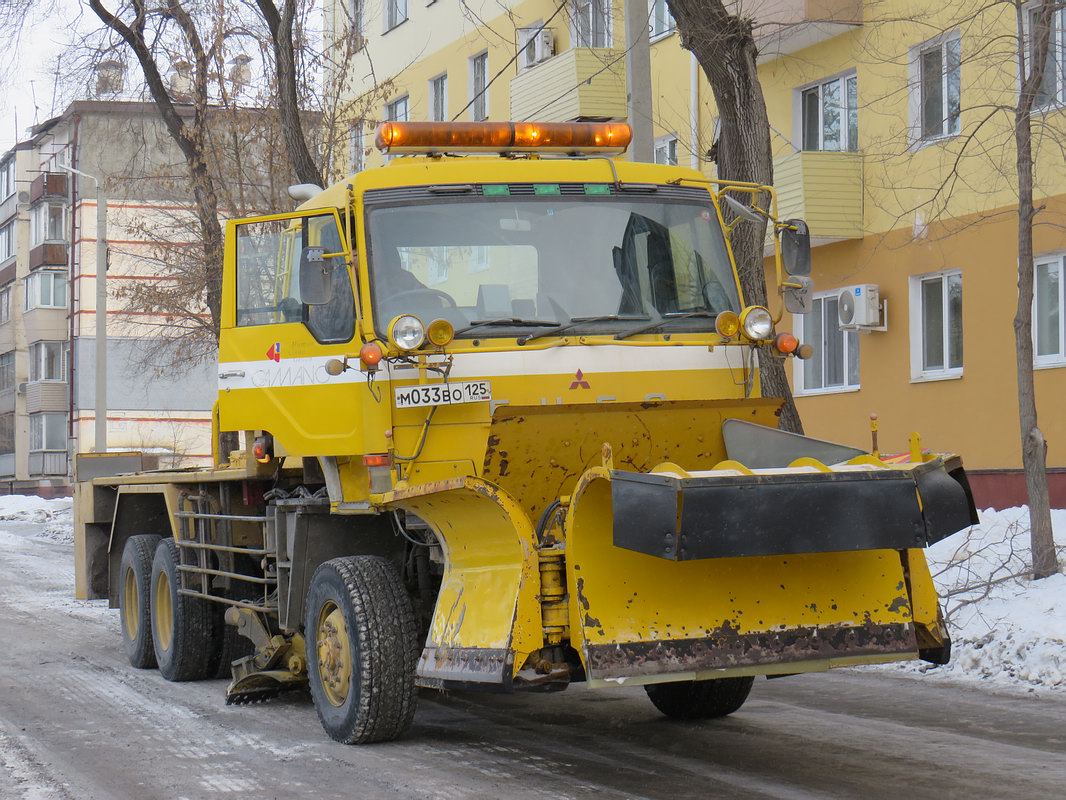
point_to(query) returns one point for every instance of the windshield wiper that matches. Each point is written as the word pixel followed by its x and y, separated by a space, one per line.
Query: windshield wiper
pixel 665 320
pixel 577 322
pixel 509 321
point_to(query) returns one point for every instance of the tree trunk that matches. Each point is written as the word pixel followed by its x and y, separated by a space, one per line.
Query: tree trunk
pixel 725 48
pixel 1034 446
pixel 280 24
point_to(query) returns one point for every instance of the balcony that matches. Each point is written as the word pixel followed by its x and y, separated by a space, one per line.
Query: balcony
pixel 48 254
pixel 48 462
pixel 787 26
pixel 48 184
pixel 823 188
pixel 576 84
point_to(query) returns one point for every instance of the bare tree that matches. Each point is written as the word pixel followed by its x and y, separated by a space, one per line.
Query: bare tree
pixel 723 41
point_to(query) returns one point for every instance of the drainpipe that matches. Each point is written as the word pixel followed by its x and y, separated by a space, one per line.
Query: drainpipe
pixel 101 310
pixel 71 373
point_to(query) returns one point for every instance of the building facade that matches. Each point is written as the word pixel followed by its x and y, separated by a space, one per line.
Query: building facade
pixel 891 136
pixel 48 313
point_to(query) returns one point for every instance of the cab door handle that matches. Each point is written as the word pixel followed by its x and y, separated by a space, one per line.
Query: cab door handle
pixel 235 373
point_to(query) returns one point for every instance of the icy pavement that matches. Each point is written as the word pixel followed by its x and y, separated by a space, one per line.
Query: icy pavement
pixel 1007 630
pixel 54 516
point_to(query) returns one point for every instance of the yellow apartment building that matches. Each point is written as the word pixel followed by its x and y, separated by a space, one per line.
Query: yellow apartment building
pixel 891 136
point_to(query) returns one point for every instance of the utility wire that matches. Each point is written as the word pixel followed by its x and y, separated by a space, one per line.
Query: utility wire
pixel 506 66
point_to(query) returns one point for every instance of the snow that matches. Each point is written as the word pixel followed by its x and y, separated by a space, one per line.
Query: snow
pixel 54 516
pixel 1007 630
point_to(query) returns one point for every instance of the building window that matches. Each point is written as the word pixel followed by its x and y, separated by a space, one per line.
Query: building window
pixel 438 97
pixel 48 223
pixel 661 21
pixel 7 371
pixel 48 361
pixel 5 304
pixel 939 88
pixel 7 179
pixel 592 23
pixel 1052 89
pixel 7 433
pixel 1048 330
pixel 834 367
pixel 356 147
pixel 396 111
pixel 46 289
pixel 355 22
pixel 7 241
pixel 48 431
pixel 479 96
pixel 395 13
pixel 830 112
pixel 936 325
pixel 666 150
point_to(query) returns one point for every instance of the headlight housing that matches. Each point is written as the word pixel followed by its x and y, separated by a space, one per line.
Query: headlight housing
pixel 757 323
pixel 407 332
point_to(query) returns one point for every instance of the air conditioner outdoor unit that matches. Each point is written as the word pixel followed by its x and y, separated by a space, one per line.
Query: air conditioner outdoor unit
pixel 21 388
pixel 859 306
pixel 544 47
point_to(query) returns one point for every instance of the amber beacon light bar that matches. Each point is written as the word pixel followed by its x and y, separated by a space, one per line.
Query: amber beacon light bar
pixel 503 137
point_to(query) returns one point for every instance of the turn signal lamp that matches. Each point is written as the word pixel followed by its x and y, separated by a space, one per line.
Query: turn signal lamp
pixel 263 448
pixel 786 343
pixel 756 323
pixel 503 137
pixel 407 332
pixel 440 332
pixel 727 324
pixel 378 460
pixel 371 354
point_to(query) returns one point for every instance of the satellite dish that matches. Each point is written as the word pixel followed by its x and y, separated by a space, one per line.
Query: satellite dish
pixel 846 307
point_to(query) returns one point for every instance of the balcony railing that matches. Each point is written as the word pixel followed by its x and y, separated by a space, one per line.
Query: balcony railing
pixel 580 83
pixel 823 188
pixel 7 465
pixel 48 463
pixel 48 184
pixel 48 254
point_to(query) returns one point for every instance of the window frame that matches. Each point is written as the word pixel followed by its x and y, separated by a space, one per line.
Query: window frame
pixel 5 302
pixel 38 358
pixel 32 291
pixel 1057 50
pixel 581 7
pixel 39 229
pixel 438 97
pixel 7 433
pixel 357 147
pixel 479 97
pixel 849 339
pixel 7 179
pixel 917 89
pixel 666 142
pixel 42 417
pixel 1054 359
pixel 396 13
pixel 919 373
pixel 390 109
pixel 659 10
pixel 7 370
pixel 10 241
pixel 846 144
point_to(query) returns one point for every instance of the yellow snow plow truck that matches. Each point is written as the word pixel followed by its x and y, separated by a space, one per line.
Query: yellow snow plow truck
pixel 490 417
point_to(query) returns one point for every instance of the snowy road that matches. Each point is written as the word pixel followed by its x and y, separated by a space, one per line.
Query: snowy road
pixel 77 722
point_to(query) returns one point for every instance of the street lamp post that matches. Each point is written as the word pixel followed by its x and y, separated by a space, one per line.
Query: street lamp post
pixel 101 310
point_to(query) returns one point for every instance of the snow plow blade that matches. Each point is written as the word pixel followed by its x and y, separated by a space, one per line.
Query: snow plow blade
pixel 805 508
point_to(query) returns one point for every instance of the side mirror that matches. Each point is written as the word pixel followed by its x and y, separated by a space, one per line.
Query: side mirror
pixel 796 247
pixel 797 297
pixel 316 276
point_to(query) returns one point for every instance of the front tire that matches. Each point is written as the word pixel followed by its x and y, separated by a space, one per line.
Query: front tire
pixel 700 699
pixel 362 650
pixel 183 627
pixel 135 600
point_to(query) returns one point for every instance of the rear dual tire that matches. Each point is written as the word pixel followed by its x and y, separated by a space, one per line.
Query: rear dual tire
pixel 184 629
pixel 135 615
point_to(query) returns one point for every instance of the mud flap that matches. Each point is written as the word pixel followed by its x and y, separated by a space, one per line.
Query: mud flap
pixel 723 515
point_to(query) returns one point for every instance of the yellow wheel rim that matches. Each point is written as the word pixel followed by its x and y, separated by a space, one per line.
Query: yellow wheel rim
pixel 131 605
pixel 163 611
pixel 334 653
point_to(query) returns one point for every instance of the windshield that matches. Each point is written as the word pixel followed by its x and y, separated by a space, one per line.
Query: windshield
pixel 525 261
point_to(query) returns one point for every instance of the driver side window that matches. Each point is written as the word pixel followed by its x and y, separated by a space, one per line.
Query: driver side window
pixel 268 276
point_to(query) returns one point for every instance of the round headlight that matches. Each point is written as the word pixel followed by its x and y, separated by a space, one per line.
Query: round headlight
pixel 407 332
pixel 440 332
pixel 757 323
pixel 727 323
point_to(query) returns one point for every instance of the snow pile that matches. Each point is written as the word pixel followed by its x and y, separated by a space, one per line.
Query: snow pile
pixel 1006 629
pixel 53 515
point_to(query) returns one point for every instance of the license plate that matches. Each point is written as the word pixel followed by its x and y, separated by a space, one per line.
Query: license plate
pixel 443 394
